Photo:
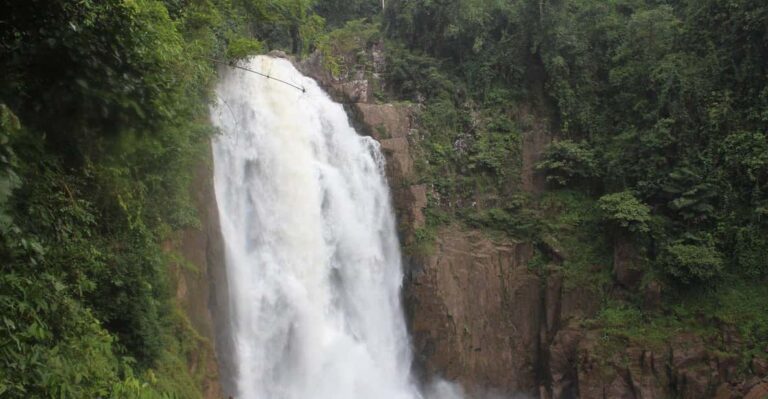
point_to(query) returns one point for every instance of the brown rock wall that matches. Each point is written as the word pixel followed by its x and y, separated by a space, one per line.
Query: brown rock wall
pixel 479 316
pixel 474 311
pixel 200 288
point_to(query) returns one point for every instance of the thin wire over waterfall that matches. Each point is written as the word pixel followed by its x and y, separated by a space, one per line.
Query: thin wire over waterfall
pixel 266 75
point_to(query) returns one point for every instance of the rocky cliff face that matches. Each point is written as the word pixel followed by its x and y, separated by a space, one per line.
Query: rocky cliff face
pixel 479 315
pixel 474 311
pixel 201 291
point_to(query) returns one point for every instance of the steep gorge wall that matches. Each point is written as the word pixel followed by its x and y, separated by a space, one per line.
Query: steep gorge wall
pixel 200 283
pixel 478 315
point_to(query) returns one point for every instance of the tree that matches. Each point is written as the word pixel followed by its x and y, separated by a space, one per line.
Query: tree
pixel 566 161
pixel 623 209
pixel 691 263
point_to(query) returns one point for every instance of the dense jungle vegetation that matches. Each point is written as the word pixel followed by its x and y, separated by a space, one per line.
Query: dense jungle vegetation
pixel 103 115
pixel 658 109
pixel 659 114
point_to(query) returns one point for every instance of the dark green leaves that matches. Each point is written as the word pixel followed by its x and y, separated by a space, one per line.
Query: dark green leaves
pixel 566 161
pixel 626 211
pixel 692 263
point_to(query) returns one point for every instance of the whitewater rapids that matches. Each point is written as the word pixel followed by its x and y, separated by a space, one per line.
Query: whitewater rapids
pixel 313 260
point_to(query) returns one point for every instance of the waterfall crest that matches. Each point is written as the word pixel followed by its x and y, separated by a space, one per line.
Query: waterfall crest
pixel 313 260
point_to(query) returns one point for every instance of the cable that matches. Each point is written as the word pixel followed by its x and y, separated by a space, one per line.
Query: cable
pixel 303 90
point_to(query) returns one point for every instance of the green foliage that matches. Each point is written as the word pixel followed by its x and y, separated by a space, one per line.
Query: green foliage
pixel 341 47
pixel 337 12
pixel 513 220
pixel 665 102
pixel 486 38
pixel 241 47
pixel 53 343
pixel 423 241
pixel 565 161
pixel 659 105
pixel 285 24
pixel 644 88
pixel 746 155
pixel 573 227
pixel 692 262
pixel 621 321
pixel 742 304
pixel 691 194
pixel 112 97
pixel 625 210
pixel 415 76
pixel 749 251
pixel 9 125
pixel 495 149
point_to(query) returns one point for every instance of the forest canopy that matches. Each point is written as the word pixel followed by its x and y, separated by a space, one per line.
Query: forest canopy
pixel 658 109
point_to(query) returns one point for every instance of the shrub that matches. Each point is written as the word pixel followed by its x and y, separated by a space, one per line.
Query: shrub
pixel 626 211
pixel 9 124
pixel 242 47
pixel 749 252
pixel 692 263
pixel 566 161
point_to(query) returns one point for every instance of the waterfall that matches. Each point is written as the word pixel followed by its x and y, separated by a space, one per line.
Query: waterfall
pixel 313 259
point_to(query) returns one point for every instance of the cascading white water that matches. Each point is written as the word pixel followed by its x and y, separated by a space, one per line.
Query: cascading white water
pixel 313 259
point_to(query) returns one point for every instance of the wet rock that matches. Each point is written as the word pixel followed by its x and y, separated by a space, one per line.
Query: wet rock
pixel 278 54
pixel 759 366
pixel 591 373
pixel 687 350
pixel 552 303
pixel 201 290
pixel 535 139
pixel 384 121
pixel 351 88
pixel 553 248
pixel 759 391
pixel 398 153
pixel 727 366
pixel 646 373
pixel 478 317
pixel 693 376
pixel 390 125
pixel 626 265
pixel 562 360
pixel 652 295
pixel 749 383
pixel 474 312
pixel 378 57
pixel 418 201
pixel 725 391
pixel 579 302
pixel 732 339
pixel 619 387
pixel 357 90
pixel 600 377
